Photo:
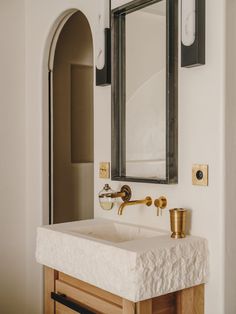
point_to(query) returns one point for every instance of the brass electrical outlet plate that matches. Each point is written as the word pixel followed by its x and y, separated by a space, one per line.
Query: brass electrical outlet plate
pixel 200 174
pixel 104 170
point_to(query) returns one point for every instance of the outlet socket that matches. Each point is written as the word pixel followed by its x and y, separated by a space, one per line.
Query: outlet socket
pixel 200 174
pixel 104 170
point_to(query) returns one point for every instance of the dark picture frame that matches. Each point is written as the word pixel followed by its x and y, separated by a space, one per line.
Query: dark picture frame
pixel 118 153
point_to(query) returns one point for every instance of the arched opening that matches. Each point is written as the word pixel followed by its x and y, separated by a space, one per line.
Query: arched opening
pixel 71 121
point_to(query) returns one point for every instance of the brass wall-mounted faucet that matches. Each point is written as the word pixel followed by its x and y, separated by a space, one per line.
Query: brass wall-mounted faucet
pixel 125 193
pixel 160 204
pixel 147 201
pixel 107 196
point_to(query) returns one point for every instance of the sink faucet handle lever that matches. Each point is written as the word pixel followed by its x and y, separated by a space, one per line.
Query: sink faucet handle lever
pixel 160 204
pixel 125 193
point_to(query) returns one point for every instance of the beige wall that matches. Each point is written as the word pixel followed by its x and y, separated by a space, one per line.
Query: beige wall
pixel 201 139
pixel 42 19
pixel 230 157
pixel 12 158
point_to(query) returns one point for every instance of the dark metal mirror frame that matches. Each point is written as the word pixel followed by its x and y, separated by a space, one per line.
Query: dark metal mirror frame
pixel 118 154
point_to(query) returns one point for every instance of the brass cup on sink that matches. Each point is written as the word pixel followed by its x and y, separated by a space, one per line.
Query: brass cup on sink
pixel 178 222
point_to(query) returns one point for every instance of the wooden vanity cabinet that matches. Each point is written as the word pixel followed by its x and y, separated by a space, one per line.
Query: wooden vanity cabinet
pixel 90 299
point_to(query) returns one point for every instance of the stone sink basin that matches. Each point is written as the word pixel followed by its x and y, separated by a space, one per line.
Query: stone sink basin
pixel 116 232
pixel 133 262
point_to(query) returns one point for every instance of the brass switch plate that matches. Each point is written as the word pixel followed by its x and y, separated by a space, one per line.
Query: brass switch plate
pixel 200 174
pixel 104 170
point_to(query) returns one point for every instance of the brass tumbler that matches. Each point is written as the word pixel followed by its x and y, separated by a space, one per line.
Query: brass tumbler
pixel 178 222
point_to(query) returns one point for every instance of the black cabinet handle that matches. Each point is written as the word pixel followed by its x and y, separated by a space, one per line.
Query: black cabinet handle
pixel 62 298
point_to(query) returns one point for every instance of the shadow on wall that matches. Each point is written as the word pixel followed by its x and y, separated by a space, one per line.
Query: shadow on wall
pixel 72 122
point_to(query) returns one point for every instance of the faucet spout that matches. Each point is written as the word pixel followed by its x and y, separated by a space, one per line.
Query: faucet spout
pixel 147 201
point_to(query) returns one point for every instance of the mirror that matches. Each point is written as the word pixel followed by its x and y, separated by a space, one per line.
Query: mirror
pixel 145 91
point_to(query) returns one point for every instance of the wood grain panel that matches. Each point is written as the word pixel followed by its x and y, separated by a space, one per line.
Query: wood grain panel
pixel 190 301
pixel 128 307
pixel 184 300
pixel 61 309
pixel 198 305
pixel 164 304
pixel 91 289
pixel 144 307
pixel 50 275
pixel 87 299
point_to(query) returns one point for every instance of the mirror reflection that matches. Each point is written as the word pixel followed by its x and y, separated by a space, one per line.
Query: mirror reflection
pixel 145 55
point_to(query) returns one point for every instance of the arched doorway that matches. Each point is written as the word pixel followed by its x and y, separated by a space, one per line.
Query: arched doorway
pixel 71 122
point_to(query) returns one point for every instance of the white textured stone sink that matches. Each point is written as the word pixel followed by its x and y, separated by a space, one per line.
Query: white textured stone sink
pixel 134 262
pixel 117 232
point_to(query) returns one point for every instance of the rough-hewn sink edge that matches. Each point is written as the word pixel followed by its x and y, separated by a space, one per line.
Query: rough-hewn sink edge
pixel 133 285
pixel 103 274
pixel 198 275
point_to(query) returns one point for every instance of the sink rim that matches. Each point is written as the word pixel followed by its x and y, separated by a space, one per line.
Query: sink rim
pixel 119 232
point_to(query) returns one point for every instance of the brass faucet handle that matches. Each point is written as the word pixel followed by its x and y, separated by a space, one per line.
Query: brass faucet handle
pixel 160 204
pixel 125 193
pixel 148 200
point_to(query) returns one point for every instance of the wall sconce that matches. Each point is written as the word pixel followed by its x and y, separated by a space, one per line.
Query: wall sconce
pixel 103 53
pixel 193 33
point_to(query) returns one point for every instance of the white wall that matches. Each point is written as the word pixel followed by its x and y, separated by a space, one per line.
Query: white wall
pixel 42 19
pixel 24 207
pixel 201 140
pixel 12 158
pixel 230 156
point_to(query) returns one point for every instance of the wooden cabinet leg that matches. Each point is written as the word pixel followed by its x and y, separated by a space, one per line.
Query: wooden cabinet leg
pixel 50 275
pixel 128 307
pixel 144 307
pixel 190 301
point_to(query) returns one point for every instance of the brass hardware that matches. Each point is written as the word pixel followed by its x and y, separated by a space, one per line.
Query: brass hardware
pixel 178 222
pixel 104 170
pixel 160 204
pixel 147 201
pixel 200 174
pixel 106 203
pixel 125 194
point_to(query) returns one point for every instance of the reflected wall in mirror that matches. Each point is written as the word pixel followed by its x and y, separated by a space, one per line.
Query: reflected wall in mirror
pixel 144 92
